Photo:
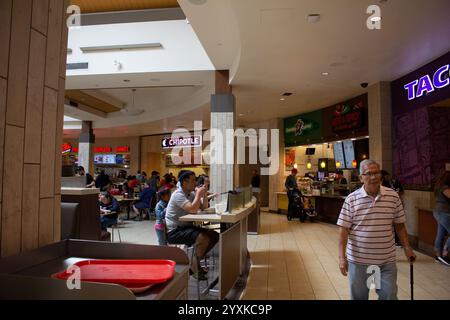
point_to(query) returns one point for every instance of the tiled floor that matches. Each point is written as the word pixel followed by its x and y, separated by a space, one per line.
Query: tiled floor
pixel 298 261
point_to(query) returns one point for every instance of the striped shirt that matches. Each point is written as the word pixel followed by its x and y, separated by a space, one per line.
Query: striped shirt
pixel 371 225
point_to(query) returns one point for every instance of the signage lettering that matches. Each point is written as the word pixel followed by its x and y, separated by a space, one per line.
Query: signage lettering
pixel 103 149
pixel 66 148
pixel 123 149
pixel 194 141
pixel 425 84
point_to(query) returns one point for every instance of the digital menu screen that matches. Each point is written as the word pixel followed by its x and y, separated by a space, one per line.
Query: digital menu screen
pixel 338 150
pixel 349 153
pixel 109 159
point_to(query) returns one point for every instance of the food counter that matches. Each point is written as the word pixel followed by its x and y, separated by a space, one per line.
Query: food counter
pixel 328 206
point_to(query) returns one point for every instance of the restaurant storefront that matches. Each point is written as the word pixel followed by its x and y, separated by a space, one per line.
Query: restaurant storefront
pixel 156 154
pixel 322 143
pixel 421 142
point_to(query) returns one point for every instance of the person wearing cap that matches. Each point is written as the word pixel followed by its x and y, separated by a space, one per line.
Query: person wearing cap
pixel 187 199
pixel 160 211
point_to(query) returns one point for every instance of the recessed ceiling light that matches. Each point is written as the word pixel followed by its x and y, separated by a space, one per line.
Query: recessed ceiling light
pixel 241 114
pixel 282 99
pixel 325 74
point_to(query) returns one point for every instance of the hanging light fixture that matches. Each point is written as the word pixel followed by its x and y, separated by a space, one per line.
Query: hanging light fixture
pixel 323 164
pixel 338 164
pixel 295 165
pixel 308 165
pixel 132 111
pixel 354 163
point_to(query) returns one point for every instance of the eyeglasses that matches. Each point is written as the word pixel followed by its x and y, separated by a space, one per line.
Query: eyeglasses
pixel 372 174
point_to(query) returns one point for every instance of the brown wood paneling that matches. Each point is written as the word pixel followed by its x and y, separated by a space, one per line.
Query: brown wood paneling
pixel 54 44
pixel 223 81
pixel 59 136
pixel 5 30
pixel 3 85
pixel 12 194
pixel 64 41
pixel 57 219
pixel 48 143
pixel 90 101
pixel 30 207
pixel 46 208
pixel 39 20
pixel 18 62
pixel 427 227
pixel 90 6
pixel 35 98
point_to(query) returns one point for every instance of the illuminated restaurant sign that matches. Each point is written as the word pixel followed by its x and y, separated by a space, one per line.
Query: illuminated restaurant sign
pixel 103 149
pixel 426 84
pixel 123 149
pixel 66 148
pixel 193 141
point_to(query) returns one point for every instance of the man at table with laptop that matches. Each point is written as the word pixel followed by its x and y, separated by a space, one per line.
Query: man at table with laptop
pixel 188 199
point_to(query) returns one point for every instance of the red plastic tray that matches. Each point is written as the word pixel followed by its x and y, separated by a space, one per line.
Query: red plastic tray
pixel 130 273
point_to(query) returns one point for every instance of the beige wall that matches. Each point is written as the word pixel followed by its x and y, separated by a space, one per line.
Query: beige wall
pixel 380 128
pixel 412 199
pixel 33 37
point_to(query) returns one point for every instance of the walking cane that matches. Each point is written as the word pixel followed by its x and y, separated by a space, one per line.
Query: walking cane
pixel 411 275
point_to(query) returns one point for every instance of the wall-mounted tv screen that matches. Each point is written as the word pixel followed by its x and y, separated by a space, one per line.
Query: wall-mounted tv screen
pixel 349 153
pixel 105 159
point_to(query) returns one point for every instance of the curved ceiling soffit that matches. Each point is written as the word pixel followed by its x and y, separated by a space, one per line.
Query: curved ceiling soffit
pixel 216 25
pixel 188 103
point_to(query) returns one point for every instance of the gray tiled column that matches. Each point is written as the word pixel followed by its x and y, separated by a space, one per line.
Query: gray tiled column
pixel 222 118
pixel 86 145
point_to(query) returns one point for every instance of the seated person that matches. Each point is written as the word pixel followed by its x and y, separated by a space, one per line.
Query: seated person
pixel 185 201
pixel 203 180
pixel 145 197
pixel 109 210
pixel 90 182
pixel 160 210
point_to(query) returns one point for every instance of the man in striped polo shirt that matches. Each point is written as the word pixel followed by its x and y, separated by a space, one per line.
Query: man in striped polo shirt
pixel 366 243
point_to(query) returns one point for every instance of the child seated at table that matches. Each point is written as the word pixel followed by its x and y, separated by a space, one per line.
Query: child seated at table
pixel 160 210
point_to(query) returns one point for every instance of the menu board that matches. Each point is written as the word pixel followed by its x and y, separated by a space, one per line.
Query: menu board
pixel 109 159
pixel 349 153
pixel 339 153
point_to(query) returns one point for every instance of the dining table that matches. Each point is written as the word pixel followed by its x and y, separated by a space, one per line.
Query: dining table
pixel 126 202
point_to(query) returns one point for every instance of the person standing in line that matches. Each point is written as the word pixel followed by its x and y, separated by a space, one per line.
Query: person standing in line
pixel 442 215
pixel 366 236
